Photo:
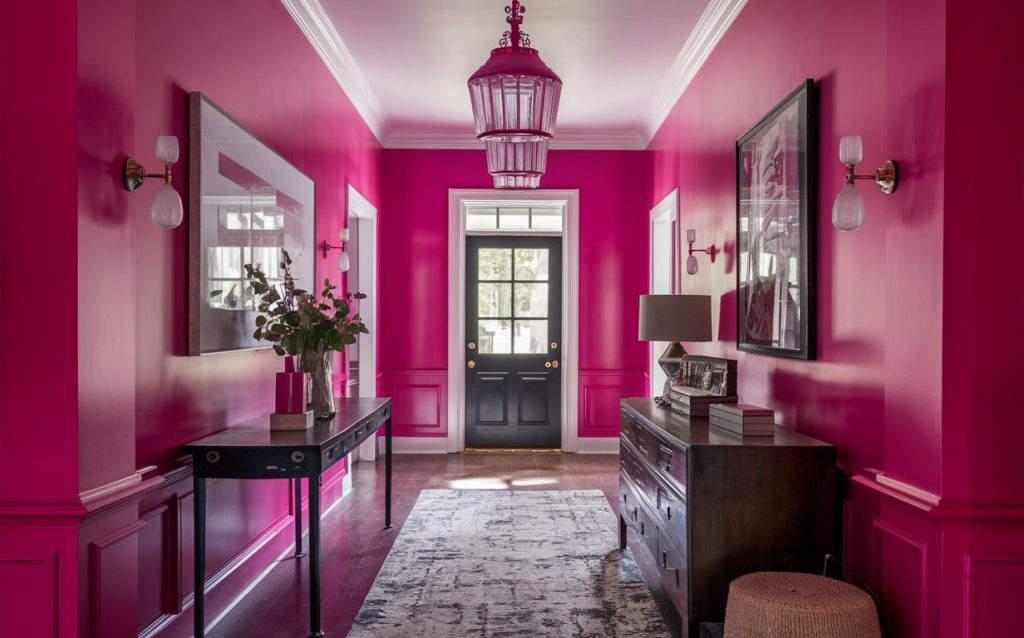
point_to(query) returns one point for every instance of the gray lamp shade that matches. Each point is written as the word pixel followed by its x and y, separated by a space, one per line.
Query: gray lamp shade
pixel 675 318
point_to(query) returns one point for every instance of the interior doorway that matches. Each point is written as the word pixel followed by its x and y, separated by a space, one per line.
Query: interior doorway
pixel 664 272
pixel 511 218
pixel 362 277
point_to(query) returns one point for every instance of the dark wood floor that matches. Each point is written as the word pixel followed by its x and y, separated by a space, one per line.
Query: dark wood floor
pixel 355 545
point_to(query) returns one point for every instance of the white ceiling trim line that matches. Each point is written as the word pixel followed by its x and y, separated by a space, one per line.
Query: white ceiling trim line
pixel 575 140
pixel 714 22
pixel 320 32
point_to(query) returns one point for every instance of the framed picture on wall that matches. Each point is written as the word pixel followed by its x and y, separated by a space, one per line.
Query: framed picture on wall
pixel 246 205
pixel 776 209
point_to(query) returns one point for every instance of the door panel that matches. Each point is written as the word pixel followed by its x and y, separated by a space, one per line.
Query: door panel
pixel 492 399
pixel 533 399
pixel 513 330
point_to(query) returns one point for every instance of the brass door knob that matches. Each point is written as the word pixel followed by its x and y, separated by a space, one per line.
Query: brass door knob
pixel 471 346
pixel 471 363
pixel 554 345
pixel 554 364
pixel 547 364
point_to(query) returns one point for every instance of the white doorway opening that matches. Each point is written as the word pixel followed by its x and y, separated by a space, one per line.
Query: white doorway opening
pixel 460 201
pixel 664 272
pixel 362 277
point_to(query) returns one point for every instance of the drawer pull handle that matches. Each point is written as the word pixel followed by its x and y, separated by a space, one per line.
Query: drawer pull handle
pixel 668 511
pixel 642 532
pixel 664 560
pixel 298 456
pixel 212 456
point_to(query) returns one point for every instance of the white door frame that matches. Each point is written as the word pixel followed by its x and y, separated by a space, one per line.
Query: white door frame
pixel 363 213
pixel 666 212
pixel 458 199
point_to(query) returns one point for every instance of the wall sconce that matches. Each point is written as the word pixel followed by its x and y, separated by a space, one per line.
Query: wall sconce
pixel 691 260
pixel 848 209
pixel 326 247
pixel 166 210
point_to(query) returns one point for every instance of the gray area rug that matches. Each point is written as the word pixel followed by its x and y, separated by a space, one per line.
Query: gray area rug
pixel 497 564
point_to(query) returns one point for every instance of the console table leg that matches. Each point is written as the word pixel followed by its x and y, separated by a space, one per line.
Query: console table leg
pixel 387 474
pixel 298 518
pixel 199 551
pixel 314 557
pixel 622 532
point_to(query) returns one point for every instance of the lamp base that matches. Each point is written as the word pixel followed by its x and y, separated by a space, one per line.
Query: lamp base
pixel 670 360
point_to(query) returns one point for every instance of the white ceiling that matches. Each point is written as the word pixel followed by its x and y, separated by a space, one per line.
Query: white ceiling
pixel 623 64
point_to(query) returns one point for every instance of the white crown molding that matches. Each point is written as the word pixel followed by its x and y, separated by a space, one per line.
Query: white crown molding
pixel 570 140
pixel 714 22
pixel 320 32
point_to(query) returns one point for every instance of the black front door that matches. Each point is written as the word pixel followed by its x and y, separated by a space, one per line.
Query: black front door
pixel 513 339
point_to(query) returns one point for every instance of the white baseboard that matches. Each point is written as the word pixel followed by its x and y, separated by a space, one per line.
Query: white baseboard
pixel 418 444
pixel 597 445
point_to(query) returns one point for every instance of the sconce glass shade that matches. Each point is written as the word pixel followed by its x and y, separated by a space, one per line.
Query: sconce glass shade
pixel 343 262
pixel 167 149
pixel 851 149
pixel 691 235
pixel 691 265
pixel 848 209
pixel 166 209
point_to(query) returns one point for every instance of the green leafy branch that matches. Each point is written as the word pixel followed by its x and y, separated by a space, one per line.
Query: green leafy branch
pixel 295 320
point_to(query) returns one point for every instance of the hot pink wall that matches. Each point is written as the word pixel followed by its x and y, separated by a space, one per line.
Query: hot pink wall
pixel 118 74
pixel 912 340
pixel 38 270
pixel 614 191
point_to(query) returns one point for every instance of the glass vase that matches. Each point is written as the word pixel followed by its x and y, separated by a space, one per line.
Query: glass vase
pixel 319 365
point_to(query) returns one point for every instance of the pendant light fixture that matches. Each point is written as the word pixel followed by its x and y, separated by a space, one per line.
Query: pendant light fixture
pixel 515 103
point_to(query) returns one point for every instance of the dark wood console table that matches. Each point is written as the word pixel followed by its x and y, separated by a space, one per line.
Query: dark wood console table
pixel 252 451
pixel 708 505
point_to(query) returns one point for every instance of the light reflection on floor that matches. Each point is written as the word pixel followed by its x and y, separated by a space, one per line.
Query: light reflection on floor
pixel 499 483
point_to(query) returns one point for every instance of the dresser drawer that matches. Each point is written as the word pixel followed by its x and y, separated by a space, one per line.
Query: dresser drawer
pixel 645 442
pixel 671 514
pixel 635 468
pixel 674 573
pixel 672 461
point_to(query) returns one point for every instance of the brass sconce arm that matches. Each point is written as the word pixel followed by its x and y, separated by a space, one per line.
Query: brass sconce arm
pixel 887 176
pixel 133 174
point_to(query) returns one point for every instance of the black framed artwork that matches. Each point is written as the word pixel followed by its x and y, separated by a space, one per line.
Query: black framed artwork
pixel 776 212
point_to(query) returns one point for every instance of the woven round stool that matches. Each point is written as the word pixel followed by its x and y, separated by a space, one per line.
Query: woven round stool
pixel 792 605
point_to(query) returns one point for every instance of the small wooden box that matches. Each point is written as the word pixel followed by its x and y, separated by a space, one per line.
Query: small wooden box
pixel 298 421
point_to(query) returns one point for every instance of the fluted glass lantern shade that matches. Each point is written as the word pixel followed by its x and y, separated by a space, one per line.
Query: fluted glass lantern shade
pixel 851 149
pixel 516 164
pixel 515 100
pixel 343 261
pixel 167 149
pixel 691 265
pixel 848 209
pixel 166 209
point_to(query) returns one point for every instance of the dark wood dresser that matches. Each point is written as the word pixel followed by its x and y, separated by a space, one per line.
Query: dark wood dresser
pixel 709 506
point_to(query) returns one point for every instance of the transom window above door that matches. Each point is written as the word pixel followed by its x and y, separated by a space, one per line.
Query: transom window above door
pixel 482 219
pixel 512 300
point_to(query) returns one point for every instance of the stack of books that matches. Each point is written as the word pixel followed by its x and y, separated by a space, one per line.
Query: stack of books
pixel 695 402
pixel 743 419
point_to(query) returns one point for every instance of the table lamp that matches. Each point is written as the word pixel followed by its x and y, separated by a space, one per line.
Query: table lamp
pixel 674 318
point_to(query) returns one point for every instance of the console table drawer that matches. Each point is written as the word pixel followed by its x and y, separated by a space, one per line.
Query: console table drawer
pixel 645 442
